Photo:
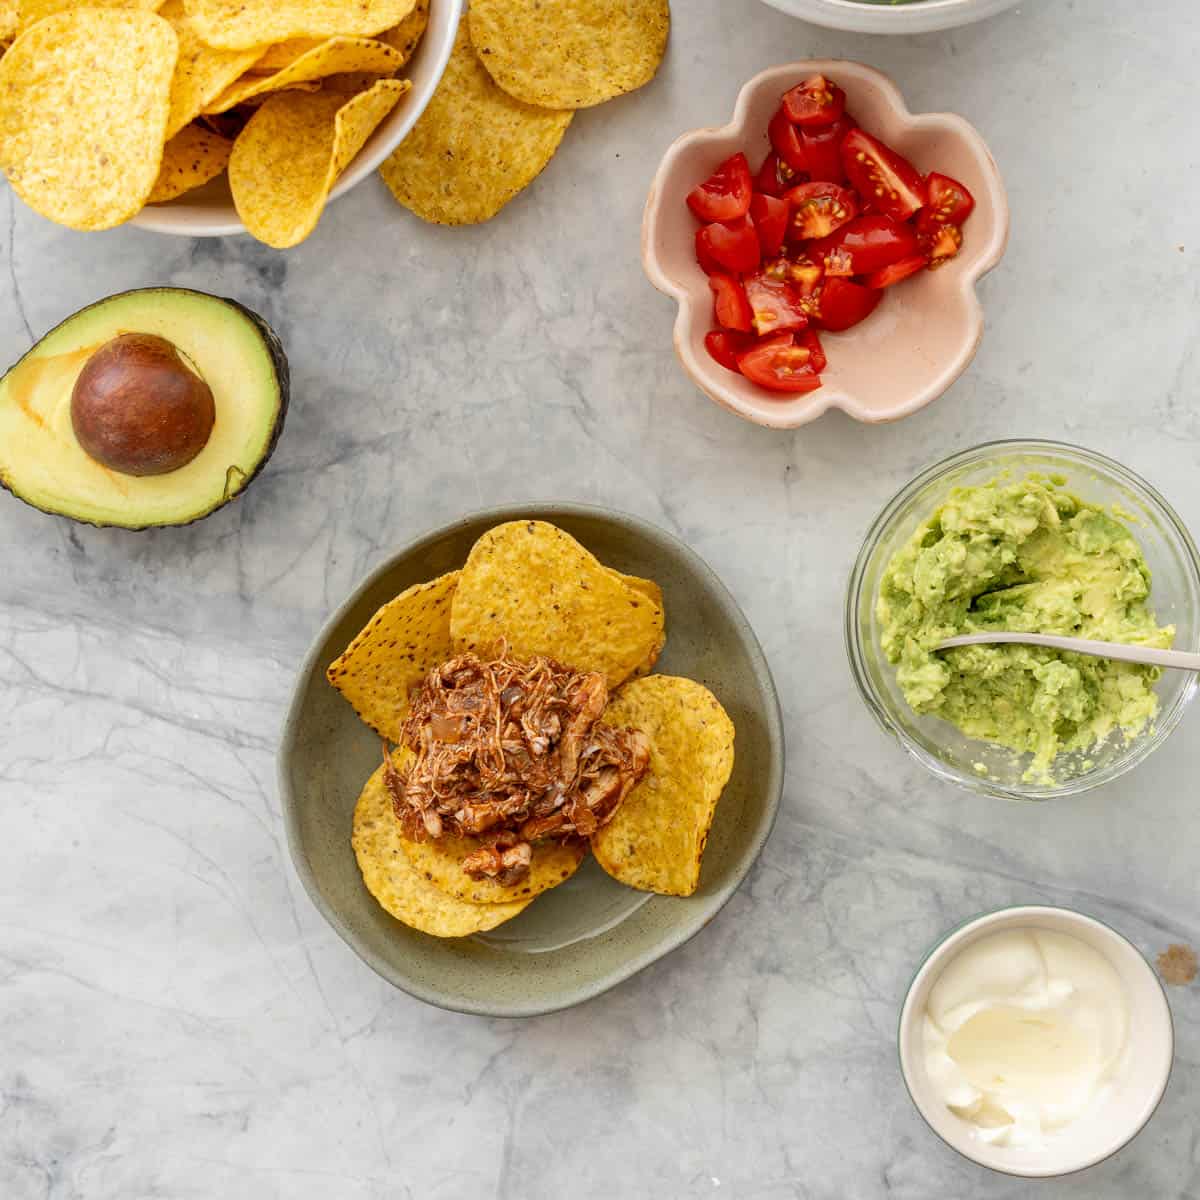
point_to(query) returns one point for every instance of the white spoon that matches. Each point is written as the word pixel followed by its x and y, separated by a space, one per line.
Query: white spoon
pixel 1147 655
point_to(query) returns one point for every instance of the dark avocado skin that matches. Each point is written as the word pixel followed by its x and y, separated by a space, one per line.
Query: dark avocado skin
pixel 282 374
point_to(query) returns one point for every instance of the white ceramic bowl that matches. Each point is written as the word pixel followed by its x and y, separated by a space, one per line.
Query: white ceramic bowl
pixel 926 330
pixel 1121 1116
pixel 208 211
pixel 919 16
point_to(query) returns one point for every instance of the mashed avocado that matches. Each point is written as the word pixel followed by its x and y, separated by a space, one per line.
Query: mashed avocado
pixel 1024 557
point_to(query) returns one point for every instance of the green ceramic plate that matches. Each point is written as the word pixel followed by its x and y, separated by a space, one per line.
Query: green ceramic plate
pixel 584 937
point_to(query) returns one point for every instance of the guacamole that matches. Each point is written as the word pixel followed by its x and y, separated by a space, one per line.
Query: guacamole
pixel 1027 557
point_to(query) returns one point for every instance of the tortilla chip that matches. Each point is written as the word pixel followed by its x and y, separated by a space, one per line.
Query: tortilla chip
pixel 394 651
pixel 8 22
pixel 407 35
pixel 439 863
pixel 292 151
pixel 651 589
pixel 331 57
pixel 572 53
pixel 83 140
pixel 191 158
pixel 536 587
pixel 283 54
pixel 201 72
pixel 30 12
pixel 656 839
pixel 473 148
pixel 391 879
pixel 240 24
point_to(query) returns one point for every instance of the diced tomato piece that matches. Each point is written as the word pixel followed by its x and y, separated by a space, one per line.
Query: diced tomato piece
pixel 732 244
pixel 819 208
pixel 844 303
pixel 887 182
pixel 895 272
pixel 725 194
pixel 774 304
pixel 804 275
pixel 775 176
pixel 725 346
pixel 778 364
pixel 870 243
pixel 815 102
pixel 812 343
pixel 708 264
pixel 946 200
pixel 770 216
pixel 730 303
pixel 823 149
pixel 786 141
pixel 836 261
pixel 942 244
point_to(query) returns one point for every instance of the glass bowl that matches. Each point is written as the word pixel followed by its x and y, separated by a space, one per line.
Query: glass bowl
pixel 1174 598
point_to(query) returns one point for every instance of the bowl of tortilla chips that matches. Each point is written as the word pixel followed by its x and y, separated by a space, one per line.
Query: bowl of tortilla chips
pixel 393 813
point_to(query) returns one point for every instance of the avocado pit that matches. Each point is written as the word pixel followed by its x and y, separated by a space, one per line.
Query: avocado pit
pixel 140 408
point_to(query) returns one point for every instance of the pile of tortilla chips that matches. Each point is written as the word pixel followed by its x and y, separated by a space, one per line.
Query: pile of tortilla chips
pixel 536 587
pixel 518 70
pixel 109 105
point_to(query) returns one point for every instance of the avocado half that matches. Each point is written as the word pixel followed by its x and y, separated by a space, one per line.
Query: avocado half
pixel 232 348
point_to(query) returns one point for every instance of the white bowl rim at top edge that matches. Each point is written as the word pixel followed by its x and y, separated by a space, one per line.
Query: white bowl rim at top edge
pixel 1093 932
pixel 918 16
pixel 182 219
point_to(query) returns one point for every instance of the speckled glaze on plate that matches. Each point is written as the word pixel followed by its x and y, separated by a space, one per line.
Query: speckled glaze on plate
pixel 591 933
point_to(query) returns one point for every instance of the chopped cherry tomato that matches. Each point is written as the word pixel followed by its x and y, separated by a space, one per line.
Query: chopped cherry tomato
pixel 775 176
pixel 941 245
pixel 773 302
pixel 886 181
pixel 844 303
pixel 786 141
pixel 725 194
pixel 894 272
pixel 708 264
pixel 733 244
pixel 725 346
pixel 946 200
pixel 779 364
pixel 870 242
pixel 820 208
pixel 770 215
pixel 812 343
pixel 730 303
pixel 804 275
pixel 823 149
pixel 814 102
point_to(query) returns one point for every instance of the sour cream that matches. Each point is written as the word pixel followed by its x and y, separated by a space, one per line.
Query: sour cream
pixel 1025 1032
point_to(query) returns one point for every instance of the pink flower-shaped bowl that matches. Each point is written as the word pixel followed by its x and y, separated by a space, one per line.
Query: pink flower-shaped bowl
pixel 919 340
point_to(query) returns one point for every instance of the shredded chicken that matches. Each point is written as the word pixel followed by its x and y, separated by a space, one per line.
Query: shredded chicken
pixel 514 750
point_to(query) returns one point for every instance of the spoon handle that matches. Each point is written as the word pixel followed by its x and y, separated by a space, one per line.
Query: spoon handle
pixel 1147 655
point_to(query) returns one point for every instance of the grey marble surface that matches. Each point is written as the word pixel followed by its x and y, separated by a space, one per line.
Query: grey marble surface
pixel 177 1021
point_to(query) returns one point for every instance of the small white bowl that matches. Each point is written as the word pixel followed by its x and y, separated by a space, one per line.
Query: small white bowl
pixel 1122 1116
pixel 926 330
pixel 208 211
pixel 914 17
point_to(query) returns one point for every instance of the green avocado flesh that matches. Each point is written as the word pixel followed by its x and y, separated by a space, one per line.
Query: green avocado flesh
pixel 234 351
pixel 1028 558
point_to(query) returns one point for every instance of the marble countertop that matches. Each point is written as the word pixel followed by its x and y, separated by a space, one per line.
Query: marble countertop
pixel 177 1019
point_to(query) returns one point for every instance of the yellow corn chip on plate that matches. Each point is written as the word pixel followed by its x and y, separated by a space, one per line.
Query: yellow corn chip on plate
pixel 240 24
pixel 292 151
pixel 473 148
pixel 29 12
pixel 570 53
pixel 536 587
pixel 331 57
pixel 8 21
pixel 391 879
pixel 202 72
pixel 406 36
pixel 439 863
pixel 191 158
pixel 283 54
pixel 83 143
pixel 394 651
pixel 655 842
